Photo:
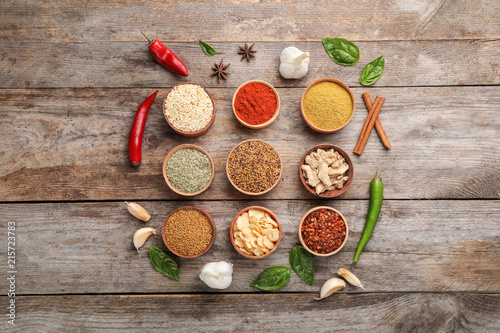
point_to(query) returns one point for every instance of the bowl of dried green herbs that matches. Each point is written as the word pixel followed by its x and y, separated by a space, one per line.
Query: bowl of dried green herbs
pixel 188 170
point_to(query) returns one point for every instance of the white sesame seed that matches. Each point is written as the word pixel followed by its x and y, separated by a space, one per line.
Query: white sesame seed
pixel 188 107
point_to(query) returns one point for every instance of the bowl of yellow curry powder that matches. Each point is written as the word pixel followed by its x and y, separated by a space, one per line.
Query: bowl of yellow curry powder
pixel 327 105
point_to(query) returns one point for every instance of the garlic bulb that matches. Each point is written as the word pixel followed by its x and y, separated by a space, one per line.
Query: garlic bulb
pixel 294 63
pixel 217 275
pixel 331 286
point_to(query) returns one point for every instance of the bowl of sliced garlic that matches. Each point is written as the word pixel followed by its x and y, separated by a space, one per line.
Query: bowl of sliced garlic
pixel 255 232
pixel 326 170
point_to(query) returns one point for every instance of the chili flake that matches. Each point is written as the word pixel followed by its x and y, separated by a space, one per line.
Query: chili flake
pixel 323 231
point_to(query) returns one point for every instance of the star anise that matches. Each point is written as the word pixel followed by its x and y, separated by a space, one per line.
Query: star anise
pixel 220 70
pixel 247 52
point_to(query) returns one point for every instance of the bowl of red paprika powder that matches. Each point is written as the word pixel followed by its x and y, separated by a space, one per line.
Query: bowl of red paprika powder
pixel 256 104
pixel 323 231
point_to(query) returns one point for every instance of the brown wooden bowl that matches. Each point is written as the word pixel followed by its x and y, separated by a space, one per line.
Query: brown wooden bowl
pixel 231 232
pixel 252 193
pixel 302 105
pixel 196 133
pixel 164 170
pixel 273 118
pixel 204 213
pixel 349 173
pixel 302 240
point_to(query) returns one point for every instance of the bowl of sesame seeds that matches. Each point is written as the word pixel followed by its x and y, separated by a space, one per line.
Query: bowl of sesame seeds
pixel 188 231
pixel 254 167
pixel 189 109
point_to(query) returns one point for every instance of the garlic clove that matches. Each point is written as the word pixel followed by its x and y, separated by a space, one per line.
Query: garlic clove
pixel 138 211
pixel 141 235
pixel 351 278
pixel 331 286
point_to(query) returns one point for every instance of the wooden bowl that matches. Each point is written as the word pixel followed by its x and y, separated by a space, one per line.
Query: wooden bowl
pixel 196 133
pixel 349 173
pixel 273 118
pixel 302 105
pixel 164 170
pixel 252 193
pixel 231 232
pixel 302 240
pixel 204 213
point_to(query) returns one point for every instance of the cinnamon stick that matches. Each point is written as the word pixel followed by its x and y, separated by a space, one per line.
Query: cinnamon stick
pixel 378 124
pixel 363 130
pixel 368 126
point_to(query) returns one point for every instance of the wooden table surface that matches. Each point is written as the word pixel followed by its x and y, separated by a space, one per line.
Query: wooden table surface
pixel 73 74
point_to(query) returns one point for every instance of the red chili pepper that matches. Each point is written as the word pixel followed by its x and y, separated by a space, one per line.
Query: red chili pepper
pixel 135 139
pixel 165 57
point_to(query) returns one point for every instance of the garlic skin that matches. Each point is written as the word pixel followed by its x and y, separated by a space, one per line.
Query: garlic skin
pixel 141 235
pixel 217 275
pixel 331 286
pixel 294 64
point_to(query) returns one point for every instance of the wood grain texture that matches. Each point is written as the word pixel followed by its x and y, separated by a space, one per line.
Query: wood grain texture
pixel 118 64
pixel 233 20
pixel 417 246
pixel 386 313
pixel 71 144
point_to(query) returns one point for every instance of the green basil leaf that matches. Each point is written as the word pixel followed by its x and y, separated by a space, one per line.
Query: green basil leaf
pixel 342 51
pixel 163 263
pixel 302 263
pixel 373 71
pixel 272 278
pixel 207 48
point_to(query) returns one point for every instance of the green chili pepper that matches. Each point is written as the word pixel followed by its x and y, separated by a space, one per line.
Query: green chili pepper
pixel 376 197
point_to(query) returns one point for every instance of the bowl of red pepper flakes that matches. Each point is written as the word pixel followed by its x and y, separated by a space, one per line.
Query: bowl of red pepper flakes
pixel 323 231
pixel 256 104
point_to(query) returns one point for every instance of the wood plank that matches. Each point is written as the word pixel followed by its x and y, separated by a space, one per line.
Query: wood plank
pixel 230 20
pixel 129 64
pixel 67 144
pixel 417 246
pixel 259 313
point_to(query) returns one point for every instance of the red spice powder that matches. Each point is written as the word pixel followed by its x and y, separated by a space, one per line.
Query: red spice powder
pixel 323 231
pixel 255 103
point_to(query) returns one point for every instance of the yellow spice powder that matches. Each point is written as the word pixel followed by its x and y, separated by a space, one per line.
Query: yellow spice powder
pixel 327 105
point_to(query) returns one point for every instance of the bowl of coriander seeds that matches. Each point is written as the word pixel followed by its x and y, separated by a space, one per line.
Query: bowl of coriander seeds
pixel 189 109
pixel 254 167
pixel 188 170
